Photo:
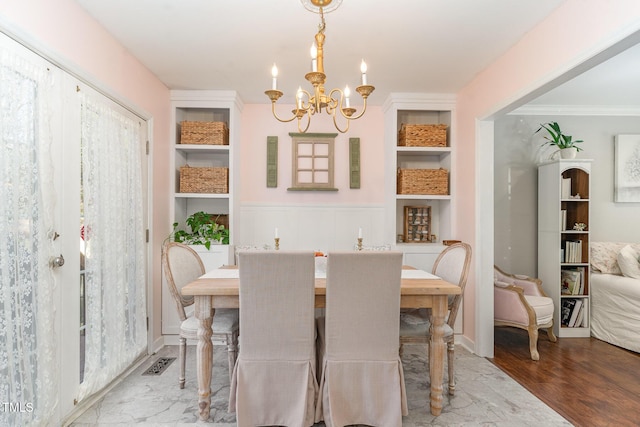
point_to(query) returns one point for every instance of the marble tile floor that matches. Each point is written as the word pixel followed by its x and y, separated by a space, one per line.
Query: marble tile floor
pixel 485 396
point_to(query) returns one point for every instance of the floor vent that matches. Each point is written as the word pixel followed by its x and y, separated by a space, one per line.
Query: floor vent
pixel 159 366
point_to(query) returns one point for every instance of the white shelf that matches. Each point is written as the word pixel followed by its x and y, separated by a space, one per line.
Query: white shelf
pixel 423 197
pixel 202 195
pixel 202 148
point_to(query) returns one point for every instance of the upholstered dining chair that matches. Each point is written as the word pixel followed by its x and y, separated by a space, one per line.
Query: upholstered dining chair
pixel 274 382
pixel 451 265
pixel 520 302
pixel 182 265
pixel 244 248
pixel 362 380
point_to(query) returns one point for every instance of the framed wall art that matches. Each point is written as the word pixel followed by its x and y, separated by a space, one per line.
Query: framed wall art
pixel 627 169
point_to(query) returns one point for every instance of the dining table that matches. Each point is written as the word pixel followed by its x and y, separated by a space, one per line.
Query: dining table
pixel 219 288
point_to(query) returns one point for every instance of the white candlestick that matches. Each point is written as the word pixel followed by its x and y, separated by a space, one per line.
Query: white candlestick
pixel 347 93
pixel 360 233
pixel 276 233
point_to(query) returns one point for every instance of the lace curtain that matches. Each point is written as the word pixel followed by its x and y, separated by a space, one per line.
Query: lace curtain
pixel 28 382
pixel 115 289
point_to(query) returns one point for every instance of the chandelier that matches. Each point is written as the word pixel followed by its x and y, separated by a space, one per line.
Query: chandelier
pixel 336 103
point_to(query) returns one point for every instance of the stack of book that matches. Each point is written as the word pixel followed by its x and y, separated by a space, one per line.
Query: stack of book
pixel 573 251
pixel 573 312
pixel 572 281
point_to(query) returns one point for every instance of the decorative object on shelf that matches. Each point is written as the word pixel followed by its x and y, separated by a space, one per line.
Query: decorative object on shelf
pixel 276 239
pixel 565 143
pixel 422 135
pixel 417 224
pixel 627 168
pixel 337 101
pixel 450 242
pixel 205 133
pixel 580 226
pixel 206 229
pixel 204 180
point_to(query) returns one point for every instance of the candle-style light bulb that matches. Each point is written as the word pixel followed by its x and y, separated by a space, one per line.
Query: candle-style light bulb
pixel 314 57
pixel 299 96
pixel 274 74
pixel 347 93
pixel 363 70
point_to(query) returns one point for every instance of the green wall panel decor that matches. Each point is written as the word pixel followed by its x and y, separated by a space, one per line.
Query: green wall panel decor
pixel 354 162
pixel 272 161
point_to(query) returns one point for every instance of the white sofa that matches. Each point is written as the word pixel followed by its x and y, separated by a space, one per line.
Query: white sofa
pixel 615 293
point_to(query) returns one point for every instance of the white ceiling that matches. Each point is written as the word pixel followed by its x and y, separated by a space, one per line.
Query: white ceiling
pixel 431 46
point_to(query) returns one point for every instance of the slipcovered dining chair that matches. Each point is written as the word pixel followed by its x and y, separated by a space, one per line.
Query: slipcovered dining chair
pixel 362 381
pixel 520 302
pixel 274 382
pixel 182 265
pixel 452 265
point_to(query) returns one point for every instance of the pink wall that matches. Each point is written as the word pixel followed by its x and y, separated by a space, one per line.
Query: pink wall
pixel 575 32
pixel 258 123
pixel 569 36
pixel 68 34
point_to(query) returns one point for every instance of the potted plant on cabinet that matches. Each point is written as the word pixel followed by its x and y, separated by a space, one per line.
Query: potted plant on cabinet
pixel 204 231
pixel 565 143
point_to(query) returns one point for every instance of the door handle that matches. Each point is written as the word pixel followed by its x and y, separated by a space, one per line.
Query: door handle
pixel 57 261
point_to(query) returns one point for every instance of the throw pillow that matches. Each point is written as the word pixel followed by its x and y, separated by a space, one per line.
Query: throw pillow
pixel 629 262
pixel 604 257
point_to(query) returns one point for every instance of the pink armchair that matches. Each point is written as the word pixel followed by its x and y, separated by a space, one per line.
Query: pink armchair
pixel 520 302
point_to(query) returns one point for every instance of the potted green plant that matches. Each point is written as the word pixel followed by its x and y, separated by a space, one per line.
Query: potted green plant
pixel 204 231
pixel 565 143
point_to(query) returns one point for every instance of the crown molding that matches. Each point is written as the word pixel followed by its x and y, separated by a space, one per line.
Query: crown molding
pixel 577 110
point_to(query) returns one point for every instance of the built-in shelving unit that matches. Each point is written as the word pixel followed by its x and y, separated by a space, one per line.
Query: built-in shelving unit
pixel 419 109
pixel 205 106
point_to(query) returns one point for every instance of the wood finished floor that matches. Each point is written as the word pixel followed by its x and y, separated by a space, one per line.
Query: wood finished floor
pixel 587 381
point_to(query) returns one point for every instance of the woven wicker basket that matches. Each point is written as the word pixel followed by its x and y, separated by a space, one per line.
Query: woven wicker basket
pixel 204 180
pixel 204 133
pixel 422 135
pixel 423 181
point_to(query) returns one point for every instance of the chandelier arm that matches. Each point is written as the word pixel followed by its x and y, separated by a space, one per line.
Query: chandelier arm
pixel 273 110
pixel 364 108
pixel 335 123
pixel 308 123
pixel 334 104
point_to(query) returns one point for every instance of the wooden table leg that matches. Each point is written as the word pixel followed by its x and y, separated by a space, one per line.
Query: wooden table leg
pixel 436 352
pixel 204 354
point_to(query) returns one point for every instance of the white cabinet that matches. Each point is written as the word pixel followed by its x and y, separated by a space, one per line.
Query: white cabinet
pixel 563 248
pixel 415 109
pixel 202 106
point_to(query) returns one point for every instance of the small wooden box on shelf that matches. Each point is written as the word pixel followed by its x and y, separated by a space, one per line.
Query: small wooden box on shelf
pixel 417 224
